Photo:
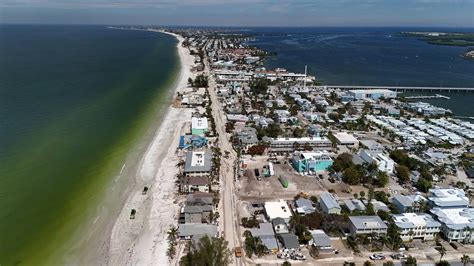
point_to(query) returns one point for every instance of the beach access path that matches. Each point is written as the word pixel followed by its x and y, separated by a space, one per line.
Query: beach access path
pixel 143 240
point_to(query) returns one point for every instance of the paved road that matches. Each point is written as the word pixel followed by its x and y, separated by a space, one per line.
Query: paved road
pixel 228 218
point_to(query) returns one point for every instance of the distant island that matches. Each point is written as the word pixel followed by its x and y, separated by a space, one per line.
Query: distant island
pixel 444 38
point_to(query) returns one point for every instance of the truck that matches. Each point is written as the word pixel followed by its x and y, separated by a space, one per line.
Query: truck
pixel 238 252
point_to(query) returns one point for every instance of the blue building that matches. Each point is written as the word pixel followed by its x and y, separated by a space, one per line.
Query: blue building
pixel 306 162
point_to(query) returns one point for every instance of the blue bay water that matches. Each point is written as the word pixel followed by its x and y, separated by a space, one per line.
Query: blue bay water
pixel 74 102
pixel 372 56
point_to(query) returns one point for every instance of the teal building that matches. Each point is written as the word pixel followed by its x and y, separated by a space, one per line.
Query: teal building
pixel 306 162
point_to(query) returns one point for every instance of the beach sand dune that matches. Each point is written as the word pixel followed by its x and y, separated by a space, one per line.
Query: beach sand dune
pixel 143 241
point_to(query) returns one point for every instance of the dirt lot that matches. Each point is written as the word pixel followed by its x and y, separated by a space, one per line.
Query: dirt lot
pixel 266 188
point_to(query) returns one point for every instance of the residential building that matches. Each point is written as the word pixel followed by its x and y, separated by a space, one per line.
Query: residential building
pixel 408 203
pixel 304 206
pixel 448 198
pixel 288 145
pixel 191 184
pixel 321 241
pixel 196 231
pixel 247 138
pixel 457 224
pixel 354 205
pixel 311 162
pixel 416 225
pixel 328 204
pixel 275 209
pixel 267 236
pixel 289 241
pixel 367 225
pixel 280 226
pixel 346 139
pixel 383 162
pixel 374 94
pixel 371 145
pixel 196 214
pixel 198 163
pixel 199 126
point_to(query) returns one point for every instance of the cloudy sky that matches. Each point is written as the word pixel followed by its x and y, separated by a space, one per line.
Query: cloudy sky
pixel 242 12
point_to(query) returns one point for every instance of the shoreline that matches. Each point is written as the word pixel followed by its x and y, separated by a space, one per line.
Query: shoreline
pixel 143 240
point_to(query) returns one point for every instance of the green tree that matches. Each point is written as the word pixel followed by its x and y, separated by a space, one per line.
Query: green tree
pixel 351 176
pixel 465 260
pixel 403 174
pixel 442 252
pixel 423 185
pixel 443 263
pixel 411 261
pixel 207 251
pixel 286 263
pixel 368 263
pixel 388 263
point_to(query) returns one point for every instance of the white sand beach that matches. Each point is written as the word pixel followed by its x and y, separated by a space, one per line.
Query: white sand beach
pixel 143 241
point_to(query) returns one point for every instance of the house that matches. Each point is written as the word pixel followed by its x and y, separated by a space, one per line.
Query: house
pixel 200 198
pixel 304 206
pixel 416 225
pixel 383 162
pixel 289 241
pixel 448 198
pixel 198 163
pixel 346 139
pixel 371 145
pixel 280 226
pixel 196 231
pixel 267 236
pixel 457 224
pixel 311 162
pixel 277 209
pixel 199 126
pixel 190 184
pixel 377 205
pixel 328 204
pixel 408 203
pixel 354 205
pixel 247 137
pixel 367 225
pixel 321 241
pixel 196 214
pixel 192 141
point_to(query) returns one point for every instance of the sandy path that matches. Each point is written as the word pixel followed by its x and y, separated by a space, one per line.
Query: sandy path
pixel 142 241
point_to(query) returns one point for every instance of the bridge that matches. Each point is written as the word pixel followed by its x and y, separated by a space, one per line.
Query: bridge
pixel 397 88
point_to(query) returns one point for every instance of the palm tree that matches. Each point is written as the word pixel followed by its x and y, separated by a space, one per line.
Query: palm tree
pixel 442 252
pixel 172 233
pixel 466 260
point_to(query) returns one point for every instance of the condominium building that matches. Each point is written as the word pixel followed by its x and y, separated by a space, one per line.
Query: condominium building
pixel 457 224
pixel 416 225
pixel 288 145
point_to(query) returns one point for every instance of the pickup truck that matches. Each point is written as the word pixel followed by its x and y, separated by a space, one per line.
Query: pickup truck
pixel 238 252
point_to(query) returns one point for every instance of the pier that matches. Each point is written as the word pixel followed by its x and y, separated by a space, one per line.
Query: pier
pixel 437 96
pixel 398 88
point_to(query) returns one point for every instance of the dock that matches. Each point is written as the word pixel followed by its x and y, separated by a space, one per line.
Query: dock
pixel 397 88
pixel 437 96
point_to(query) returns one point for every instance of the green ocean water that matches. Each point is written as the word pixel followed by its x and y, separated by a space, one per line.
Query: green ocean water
pixel 74 103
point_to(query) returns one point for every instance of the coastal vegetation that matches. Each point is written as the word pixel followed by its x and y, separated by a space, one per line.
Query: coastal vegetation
pixel 444 38
pixel 207 251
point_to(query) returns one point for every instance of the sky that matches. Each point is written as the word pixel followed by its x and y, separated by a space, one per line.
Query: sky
pixel 449 13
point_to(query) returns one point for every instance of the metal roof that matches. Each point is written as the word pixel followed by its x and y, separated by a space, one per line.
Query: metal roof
pixel 328 200
pixel 192 229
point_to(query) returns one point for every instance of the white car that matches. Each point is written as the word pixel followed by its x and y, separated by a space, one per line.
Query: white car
pixel 377 256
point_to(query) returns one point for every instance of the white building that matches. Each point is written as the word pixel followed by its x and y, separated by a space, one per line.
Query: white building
pixel 384 163
pixel 199 126
pixel 343 138
pixel 457 224
pixel 286 145
pixel 448 198
pixel 367 225
pixel 275 209
pixel 416 225
pixel 372 94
